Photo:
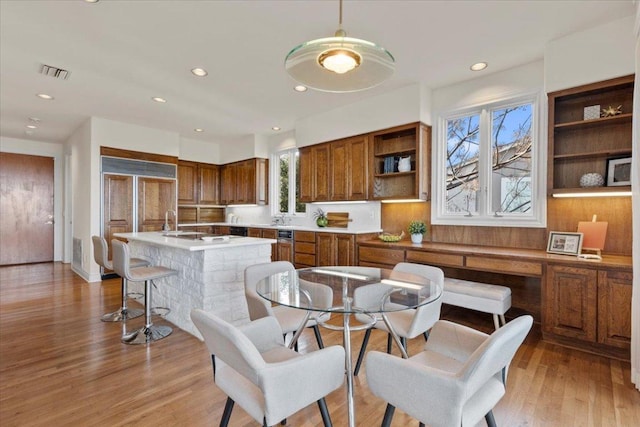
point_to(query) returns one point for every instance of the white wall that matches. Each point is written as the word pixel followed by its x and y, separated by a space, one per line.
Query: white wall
pixel 198 151
pixel 46 149
pixel 599 53
pixel 108 133
pixel 390 109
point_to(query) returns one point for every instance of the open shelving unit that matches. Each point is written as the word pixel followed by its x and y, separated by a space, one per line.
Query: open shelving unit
pixel 578 146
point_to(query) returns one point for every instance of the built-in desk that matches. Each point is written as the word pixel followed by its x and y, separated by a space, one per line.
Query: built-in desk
pixel 579 303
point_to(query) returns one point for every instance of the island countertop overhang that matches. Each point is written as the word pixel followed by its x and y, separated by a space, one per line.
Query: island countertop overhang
pixel 158 238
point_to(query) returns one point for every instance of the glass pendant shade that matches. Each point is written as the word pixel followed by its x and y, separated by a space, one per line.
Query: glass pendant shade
pixel 339 64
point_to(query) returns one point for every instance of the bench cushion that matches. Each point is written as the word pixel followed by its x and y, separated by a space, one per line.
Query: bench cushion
pixel 483 297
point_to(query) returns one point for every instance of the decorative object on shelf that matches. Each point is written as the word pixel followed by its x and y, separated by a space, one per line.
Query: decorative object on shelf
pixel 610 111
pixel 339 63
pixel 321 218
pixel 390 237
pixel 591 180
pixel 404 164
pixel 594 235
pixel 564 243
pixel 618 172
pixel 592 112
pixel 417 229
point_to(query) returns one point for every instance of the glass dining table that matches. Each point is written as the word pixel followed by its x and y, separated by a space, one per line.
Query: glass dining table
pixel 396 291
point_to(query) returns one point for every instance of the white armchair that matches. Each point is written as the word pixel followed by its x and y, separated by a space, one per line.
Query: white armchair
pixel 290 319
pixel 456 381
pixel 268 380
pixel 408 323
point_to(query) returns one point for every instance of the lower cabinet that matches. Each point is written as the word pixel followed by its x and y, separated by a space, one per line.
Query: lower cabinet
pixel 588 306
pixel 305 249
pixel 379 257
pixel 335 249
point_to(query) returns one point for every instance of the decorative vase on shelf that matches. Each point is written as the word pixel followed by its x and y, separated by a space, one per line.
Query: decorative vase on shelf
pixel 416 238
pixel 591 180
pixel 404 164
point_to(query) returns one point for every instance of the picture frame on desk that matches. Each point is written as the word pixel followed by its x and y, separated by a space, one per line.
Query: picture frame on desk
pixel 564 243
pixel 619 172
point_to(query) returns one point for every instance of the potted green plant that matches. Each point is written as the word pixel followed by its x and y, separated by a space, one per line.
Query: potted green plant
pixel 417 229
pixel 321 218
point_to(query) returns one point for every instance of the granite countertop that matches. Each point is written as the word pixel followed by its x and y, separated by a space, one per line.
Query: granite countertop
pixel 286 227
pixel 193 244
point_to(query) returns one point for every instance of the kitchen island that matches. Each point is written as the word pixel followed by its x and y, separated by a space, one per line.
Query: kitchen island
pixel 210 273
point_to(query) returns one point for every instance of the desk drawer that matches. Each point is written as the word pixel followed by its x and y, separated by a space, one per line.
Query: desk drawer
pixel 432 258
pixel 380 256
pixel 305 236
pixel 506 266
pixel 305 247
pixel 307 260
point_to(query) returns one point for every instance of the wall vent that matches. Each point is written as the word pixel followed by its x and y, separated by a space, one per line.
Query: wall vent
pixel 55 72
pixel 77 253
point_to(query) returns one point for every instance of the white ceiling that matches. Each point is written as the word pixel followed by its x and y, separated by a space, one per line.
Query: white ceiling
pixel 123 53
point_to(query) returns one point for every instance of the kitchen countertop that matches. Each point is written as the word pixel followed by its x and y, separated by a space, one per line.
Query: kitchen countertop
pixel 158 238
pixel 285 227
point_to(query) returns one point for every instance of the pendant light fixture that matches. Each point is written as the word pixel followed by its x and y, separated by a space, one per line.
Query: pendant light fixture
pixel 339 63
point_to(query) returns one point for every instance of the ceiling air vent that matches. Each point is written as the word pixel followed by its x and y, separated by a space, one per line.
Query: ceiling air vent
pixel 54 72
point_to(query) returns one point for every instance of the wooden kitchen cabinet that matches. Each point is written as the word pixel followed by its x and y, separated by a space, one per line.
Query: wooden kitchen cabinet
pixel 305 249
pixel 589 306
pixel 334 171
pixel 155 197
pixel 244 182
pixel 335 249
pixel 266 233
pixel 198 183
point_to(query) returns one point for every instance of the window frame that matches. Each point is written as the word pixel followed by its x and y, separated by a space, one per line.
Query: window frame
pixel 536 218
pixel 275 179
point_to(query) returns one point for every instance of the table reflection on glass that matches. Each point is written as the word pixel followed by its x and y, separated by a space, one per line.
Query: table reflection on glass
pixel 295 289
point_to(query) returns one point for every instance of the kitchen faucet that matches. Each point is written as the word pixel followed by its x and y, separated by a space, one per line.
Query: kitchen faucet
pixel 165 226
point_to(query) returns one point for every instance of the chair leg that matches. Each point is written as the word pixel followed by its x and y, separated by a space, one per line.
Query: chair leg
pixel 496 322
pixel 388 343
pixel 388 415
pixel 226 415
pixel 326 418
pixel 363 348
pixel 503 320
pixel 425 334
pixel 491 421
pixel 420 424
pixel 213 364
pixel 316 331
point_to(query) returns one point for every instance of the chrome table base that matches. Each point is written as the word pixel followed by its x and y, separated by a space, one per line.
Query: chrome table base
pixel 147 334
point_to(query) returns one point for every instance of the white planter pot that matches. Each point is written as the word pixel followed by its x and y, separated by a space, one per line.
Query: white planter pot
pixel 416 238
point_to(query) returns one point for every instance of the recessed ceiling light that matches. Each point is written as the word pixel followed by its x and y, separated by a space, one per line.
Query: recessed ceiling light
pixel 32 127
pixel 45 96
pixel 34 120
pixel 91 1
pixel 198 130
pixel 478 66
pixel 300 88
pixel 275 128
pixel 158 99
pixel 200 72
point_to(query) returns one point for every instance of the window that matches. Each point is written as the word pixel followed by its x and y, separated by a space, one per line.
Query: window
pixel 488 168
pixel 287 183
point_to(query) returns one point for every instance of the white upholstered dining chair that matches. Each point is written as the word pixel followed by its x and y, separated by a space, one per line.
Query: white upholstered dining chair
pixel 289 318
pixel 407 324
pixel 254 368
pixel 456 381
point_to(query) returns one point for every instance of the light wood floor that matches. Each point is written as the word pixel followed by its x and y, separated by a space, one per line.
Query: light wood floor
pixel 61 366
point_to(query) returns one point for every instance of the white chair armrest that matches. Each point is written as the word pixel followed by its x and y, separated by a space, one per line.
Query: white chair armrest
pixel 264 333
pixel 455 341
pixel 409 385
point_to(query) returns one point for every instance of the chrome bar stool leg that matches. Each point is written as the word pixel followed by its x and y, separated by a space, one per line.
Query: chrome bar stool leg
pixel 123 313
pixel 149 332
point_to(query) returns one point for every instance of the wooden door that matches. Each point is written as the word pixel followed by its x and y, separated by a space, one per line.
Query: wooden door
pixel 339 167
pixel 614 308
pixel 228 184
pixel 26 206
pixel 246 182
pixel 344 249
pixel 187 182
pixel 569 302
pixel 209 184
pixel 357 156
pixel 306 174
pixel 155 197
pixel 117 205
pixel 325 249
pixel 285 250
pixel 320 158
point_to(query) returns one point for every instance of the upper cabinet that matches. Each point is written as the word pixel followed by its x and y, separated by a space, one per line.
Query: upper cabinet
pixel 245 182
pixel 198 183
pixel 400 162
pixel 581 140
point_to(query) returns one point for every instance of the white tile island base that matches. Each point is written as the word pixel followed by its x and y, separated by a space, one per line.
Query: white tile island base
pixel 211 276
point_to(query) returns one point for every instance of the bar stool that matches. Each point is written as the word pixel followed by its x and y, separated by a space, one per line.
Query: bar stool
pixel 100 252
pixel 149 332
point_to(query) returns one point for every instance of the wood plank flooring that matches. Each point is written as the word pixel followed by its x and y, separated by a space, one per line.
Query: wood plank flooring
pixel 61 366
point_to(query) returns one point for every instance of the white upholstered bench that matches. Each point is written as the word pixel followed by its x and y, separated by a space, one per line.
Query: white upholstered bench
pixel 483 297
